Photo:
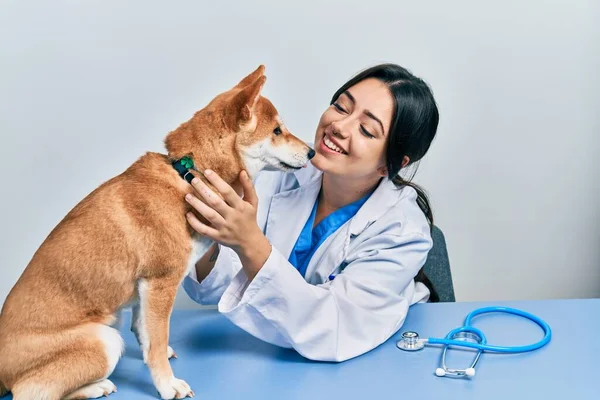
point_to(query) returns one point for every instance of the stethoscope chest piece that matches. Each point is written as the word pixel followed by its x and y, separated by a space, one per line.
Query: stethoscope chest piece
pixel 410 342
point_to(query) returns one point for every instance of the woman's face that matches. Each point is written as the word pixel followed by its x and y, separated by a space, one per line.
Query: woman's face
pixel 352 134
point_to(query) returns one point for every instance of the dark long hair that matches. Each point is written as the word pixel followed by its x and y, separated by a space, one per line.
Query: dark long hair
pixel 413 128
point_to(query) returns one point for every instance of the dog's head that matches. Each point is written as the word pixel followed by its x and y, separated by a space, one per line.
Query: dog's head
pixel 239 129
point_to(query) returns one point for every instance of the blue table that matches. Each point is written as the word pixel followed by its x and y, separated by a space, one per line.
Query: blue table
pixel 220 361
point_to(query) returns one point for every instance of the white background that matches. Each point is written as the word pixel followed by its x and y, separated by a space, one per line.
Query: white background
pixel 87 87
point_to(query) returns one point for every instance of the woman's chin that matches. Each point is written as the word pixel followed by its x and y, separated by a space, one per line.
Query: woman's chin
pixel 323 164
pixel 319 162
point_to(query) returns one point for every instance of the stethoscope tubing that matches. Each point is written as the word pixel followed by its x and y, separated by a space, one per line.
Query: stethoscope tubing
pixel 483 346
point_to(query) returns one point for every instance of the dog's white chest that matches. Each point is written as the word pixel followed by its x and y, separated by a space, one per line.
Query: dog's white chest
pixel 200 246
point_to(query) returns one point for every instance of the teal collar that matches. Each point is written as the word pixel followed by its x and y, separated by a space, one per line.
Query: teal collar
pixel 183 166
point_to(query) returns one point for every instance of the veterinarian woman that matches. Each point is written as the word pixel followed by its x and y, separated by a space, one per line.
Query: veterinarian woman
pixel 327 259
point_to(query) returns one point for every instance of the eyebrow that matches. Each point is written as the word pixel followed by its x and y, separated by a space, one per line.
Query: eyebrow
pixel 367 112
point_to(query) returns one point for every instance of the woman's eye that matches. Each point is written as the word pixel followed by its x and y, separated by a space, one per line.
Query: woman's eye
pixel 339 108
pixel 366 132
pixel 277 131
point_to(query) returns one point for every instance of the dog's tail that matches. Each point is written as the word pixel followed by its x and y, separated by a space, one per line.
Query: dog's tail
pixel 3 390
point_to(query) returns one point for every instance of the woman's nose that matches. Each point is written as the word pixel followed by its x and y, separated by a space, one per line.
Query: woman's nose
pixel 340 129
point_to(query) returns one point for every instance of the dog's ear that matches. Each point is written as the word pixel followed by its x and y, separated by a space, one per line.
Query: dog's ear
pixel 253 76
pixel 242 107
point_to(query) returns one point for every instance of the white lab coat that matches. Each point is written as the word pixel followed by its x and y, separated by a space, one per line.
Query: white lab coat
pixel 373 259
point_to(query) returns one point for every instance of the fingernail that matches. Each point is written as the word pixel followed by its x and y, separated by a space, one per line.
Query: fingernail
pixel 207 172
pixel 195 181
pixel 188 196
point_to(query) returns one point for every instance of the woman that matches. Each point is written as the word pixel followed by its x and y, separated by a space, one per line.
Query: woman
pixel 333 263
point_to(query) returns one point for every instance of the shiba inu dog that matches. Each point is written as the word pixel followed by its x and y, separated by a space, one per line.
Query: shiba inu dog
pixel 128 242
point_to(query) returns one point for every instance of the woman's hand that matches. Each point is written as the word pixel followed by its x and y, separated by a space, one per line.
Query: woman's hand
pixel 232 219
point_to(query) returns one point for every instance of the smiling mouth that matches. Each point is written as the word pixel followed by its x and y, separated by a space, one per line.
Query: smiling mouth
pixel 332 146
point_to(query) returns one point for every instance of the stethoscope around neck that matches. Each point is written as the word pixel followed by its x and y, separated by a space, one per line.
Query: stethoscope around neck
pixel 471 337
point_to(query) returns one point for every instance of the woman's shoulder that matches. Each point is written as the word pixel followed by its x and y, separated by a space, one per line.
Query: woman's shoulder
pixel 410 213
pixel 395 211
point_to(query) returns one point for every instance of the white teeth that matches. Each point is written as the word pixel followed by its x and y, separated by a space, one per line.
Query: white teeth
pixel 332 145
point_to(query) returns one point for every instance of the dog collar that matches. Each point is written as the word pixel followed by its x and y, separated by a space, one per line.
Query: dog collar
pixel 183 166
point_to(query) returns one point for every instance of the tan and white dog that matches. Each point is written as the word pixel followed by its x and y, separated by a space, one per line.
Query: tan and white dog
pixel 129 242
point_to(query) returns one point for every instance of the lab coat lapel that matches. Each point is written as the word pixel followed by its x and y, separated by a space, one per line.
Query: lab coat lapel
pixel 385 196
pixel 330 255
pixel 288 213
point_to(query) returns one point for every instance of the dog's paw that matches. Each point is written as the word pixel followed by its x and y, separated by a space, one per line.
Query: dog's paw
pixel 93 390
pixel 174 389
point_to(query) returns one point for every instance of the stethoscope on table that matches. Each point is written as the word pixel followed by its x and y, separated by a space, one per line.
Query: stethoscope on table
pixel 471 337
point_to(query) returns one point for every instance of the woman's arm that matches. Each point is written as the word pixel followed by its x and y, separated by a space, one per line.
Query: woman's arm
pixel 211 276
pixel 213 273
pixel 205 264
pixel 232 221
pixel 337 320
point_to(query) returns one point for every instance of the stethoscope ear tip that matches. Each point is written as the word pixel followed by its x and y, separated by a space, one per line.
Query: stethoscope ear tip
pixel 470 372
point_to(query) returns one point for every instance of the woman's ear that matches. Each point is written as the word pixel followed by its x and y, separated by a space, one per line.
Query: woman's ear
pixel 405 161
pixel 383 171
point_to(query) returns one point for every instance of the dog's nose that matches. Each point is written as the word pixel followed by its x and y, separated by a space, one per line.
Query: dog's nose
pixel 311 153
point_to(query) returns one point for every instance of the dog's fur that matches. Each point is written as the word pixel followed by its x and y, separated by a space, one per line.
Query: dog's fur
pixel 128 242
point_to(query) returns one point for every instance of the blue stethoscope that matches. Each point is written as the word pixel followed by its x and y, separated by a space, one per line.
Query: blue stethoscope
pixel 471 337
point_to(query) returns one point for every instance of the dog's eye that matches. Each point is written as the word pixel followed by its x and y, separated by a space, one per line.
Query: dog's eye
pixel 277 131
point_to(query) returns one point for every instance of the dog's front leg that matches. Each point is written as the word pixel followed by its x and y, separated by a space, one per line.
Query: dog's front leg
pixel 156 303
pixel 139 329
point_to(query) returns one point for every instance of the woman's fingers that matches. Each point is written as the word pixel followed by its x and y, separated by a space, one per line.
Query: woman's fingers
pixel 211 215
pixel 249 191
pixel 201 228
pixel 230 196
pixel 210 197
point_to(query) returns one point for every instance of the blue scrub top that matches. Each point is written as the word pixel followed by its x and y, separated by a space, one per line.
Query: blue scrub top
pixel 310 239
